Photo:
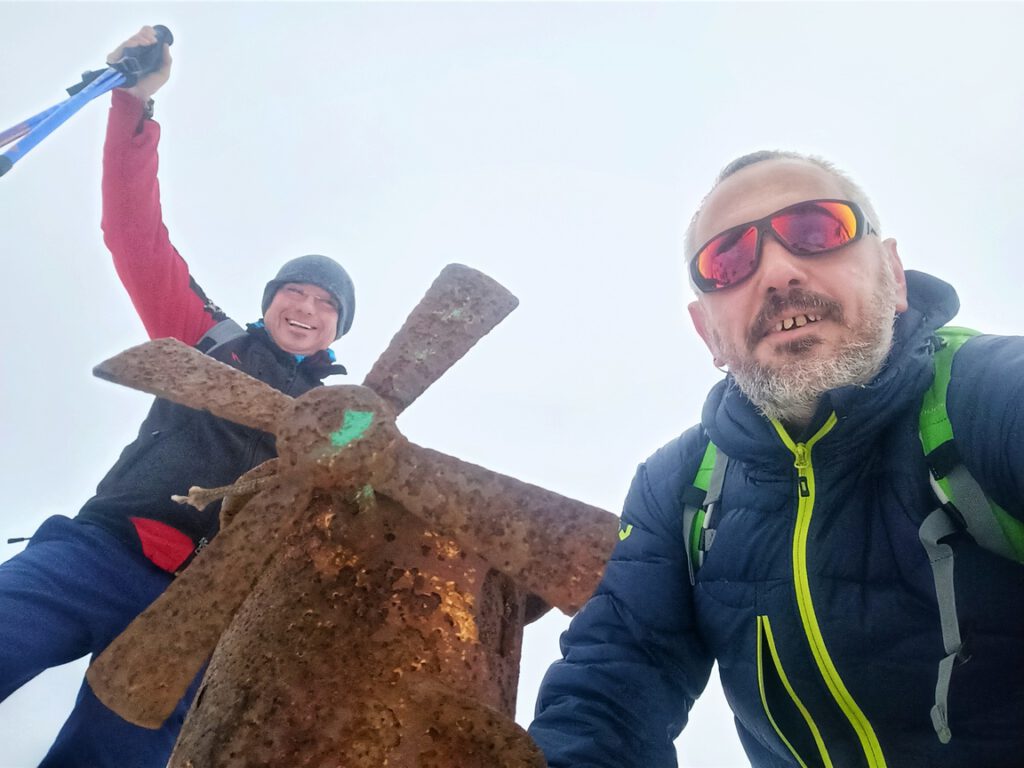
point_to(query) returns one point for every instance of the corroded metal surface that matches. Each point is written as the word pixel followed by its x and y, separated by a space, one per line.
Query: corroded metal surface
pixel 173 370
pixel 338 437
pixel 388 632
pixel 232 504
pixel 183 625
pixel 372 641
pixel 459 309
pixel 552 545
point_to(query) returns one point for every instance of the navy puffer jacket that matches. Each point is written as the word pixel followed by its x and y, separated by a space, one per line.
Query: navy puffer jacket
pixel 819 607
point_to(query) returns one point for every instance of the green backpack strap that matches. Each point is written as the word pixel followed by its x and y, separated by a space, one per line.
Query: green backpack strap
pixel 963 506
pixel 699 501
pixel 987 523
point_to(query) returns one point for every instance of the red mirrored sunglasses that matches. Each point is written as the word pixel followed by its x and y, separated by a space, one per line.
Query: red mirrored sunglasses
pixel 809 228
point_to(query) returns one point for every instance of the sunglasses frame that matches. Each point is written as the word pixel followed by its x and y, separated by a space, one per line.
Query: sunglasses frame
pixel 763 225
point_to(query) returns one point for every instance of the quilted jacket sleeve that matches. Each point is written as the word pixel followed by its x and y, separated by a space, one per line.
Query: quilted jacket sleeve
pixel 154 274
pixel 986 411
pixel 633 663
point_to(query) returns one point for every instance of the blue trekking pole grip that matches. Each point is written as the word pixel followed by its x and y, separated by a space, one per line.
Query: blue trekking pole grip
pixel 135 62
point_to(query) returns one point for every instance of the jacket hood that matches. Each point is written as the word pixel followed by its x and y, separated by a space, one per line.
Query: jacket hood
pixel 736 426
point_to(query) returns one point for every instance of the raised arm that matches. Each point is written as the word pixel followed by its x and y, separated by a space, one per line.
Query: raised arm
pixel 156 277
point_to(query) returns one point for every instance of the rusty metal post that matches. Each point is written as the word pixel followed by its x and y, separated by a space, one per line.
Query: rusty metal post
pixel 387 627
pixel 370 642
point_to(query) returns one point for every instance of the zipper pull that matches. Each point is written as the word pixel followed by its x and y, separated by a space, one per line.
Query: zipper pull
pixel 801 462
pixel 802 455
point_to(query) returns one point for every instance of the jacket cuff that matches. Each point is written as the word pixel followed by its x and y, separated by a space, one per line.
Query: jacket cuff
pixel 129 111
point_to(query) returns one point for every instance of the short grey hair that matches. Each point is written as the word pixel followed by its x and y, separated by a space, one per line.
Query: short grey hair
pixel 850 188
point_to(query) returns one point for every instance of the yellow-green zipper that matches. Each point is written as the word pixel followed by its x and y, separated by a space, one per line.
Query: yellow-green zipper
pixel 805 508
pixel 764 635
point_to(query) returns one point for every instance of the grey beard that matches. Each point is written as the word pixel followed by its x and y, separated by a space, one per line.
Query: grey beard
pixel 791 392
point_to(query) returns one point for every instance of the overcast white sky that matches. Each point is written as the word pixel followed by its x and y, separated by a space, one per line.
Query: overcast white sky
pixel 560 148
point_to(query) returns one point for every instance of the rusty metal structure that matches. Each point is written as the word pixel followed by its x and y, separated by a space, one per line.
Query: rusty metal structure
pixel 365 600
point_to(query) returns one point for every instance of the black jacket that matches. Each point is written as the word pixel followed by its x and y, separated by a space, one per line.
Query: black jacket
pixel 178 447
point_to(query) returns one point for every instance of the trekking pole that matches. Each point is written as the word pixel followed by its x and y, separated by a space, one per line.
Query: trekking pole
pixel 134 63
pixel 22 128
pixel 86 92
pixel 19 130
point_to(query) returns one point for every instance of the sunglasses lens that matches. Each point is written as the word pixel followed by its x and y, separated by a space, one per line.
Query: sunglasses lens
pixel 816 227
pixel 729 258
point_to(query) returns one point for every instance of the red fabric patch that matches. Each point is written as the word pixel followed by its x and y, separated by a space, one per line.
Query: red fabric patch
pixel 167 547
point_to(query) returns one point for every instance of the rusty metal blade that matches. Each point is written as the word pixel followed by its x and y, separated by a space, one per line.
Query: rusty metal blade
pixel 170 369
pixel 459 309
pixel 553 546
pixel 147 669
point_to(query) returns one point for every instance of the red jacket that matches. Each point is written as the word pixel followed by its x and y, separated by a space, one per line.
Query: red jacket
pixel 177 447
pixel 157 279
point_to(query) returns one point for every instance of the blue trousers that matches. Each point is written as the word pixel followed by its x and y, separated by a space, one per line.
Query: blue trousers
pixel 71 591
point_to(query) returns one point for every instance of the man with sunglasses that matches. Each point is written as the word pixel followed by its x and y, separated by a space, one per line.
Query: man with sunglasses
pixel 787 536
pixel 81 581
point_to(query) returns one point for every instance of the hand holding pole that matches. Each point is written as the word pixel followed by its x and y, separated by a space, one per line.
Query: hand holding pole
pixel 143 68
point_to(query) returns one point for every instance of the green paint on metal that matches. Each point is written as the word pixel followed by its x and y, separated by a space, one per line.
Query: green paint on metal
pixel 352 428
pixel 365 499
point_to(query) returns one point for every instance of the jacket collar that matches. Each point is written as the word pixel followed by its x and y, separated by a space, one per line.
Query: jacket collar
pixel 736 426
pixel 318 365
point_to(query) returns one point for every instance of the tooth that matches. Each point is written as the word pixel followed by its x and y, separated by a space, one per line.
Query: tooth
pixel 778 326
pixel 788 323
pixel 800 321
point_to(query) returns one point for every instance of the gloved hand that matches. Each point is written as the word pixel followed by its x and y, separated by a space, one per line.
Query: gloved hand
pixel 151 83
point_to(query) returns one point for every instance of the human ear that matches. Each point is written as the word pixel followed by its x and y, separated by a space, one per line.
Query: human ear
pixel 699 318
pixel 889 252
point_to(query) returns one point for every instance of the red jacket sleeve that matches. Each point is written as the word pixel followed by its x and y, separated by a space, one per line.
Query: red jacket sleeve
pixel 154 274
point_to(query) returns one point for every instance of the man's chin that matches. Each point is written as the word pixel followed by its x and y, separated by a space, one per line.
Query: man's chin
pixel 291 342
pixel 776 353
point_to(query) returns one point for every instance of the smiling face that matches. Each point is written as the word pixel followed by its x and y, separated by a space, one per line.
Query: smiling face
pixel 302 318
pixel 800 325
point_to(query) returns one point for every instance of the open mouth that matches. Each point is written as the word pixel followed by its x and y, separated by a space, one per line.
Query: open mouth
pixel 786 314
pixel 297 324
pixel 796 321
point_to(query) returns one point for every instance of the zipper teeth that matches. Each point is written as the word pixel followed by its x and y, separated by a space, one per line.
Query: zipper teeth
pixel 865 733
pixel 764 636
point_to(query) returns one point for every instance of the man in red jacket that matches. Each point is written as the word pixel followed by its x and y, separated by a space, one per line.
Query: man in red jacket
pixel 81 581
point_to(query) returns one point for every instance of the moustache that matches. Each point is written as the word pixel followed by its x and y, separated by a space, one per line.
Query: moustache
pixel 796 301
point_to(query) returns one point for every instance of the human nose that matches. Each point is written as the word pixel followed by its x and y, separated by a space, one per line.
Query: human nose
pixel 306 302
pixel 779 269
